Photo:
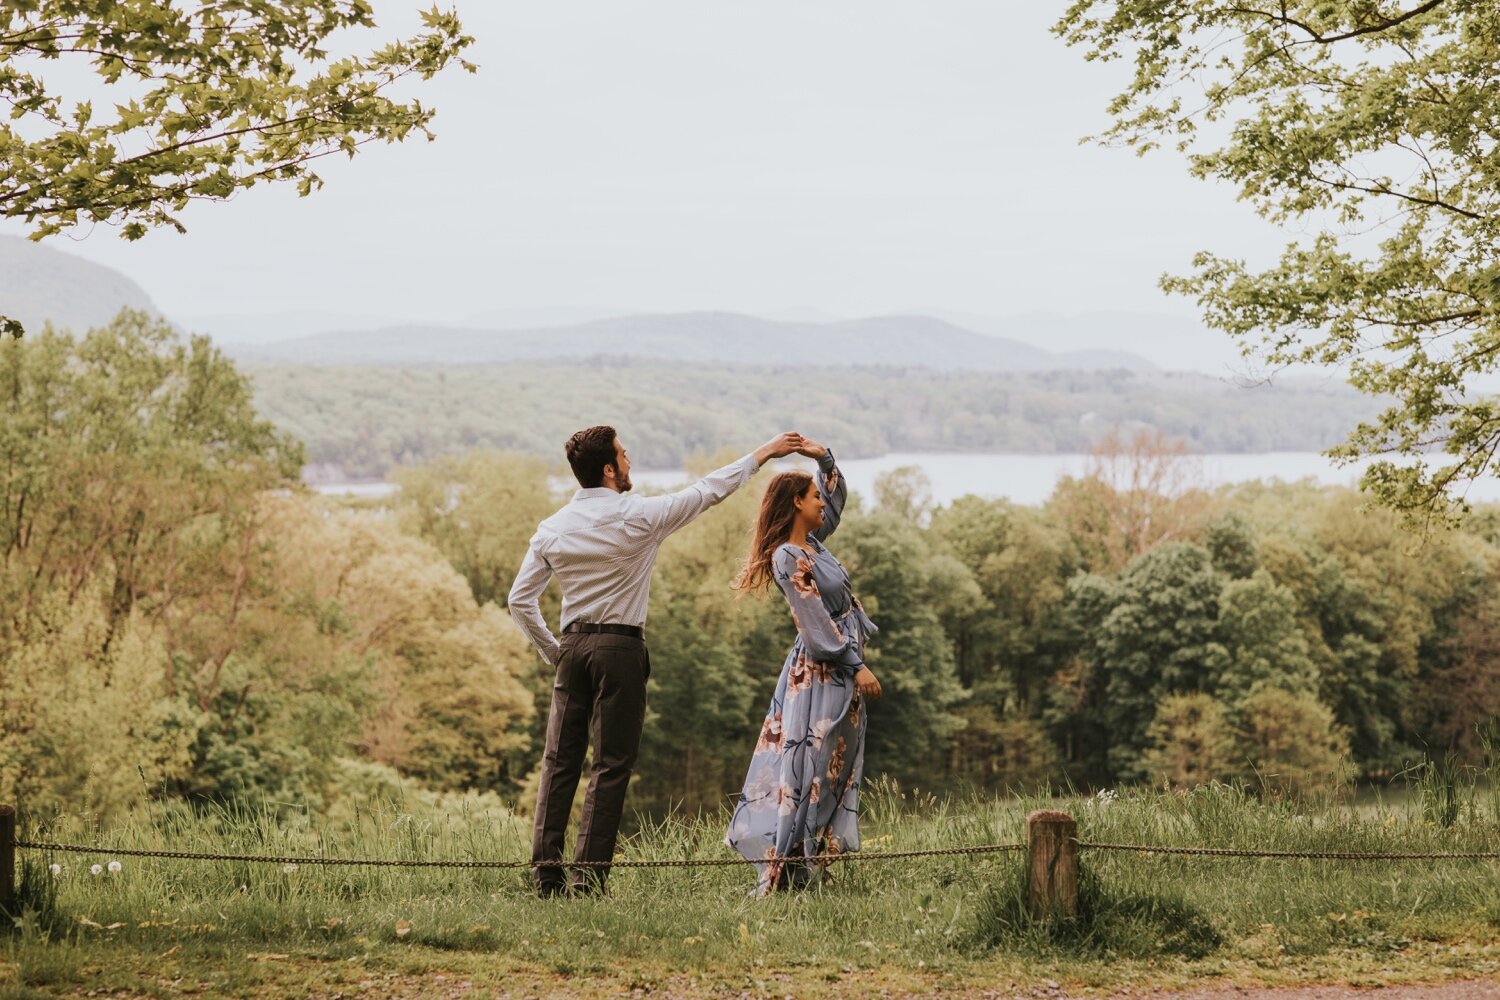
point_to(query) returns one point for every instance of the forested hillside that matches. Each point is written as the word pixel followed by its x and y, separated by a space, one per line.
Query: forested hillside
pixel 364 421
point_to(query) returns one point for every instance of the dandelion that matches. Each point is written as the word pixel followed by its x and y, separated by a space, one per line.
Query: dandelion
pixel 96 869
pixel 55 869
pixel 114 867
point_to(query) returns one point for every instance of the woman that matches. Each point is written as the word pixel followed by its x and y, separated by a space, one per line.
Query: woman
pixel 801 797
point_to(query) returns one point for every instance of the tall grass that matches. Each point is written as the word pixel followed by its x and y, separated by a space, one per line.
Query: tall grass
pixel 943 912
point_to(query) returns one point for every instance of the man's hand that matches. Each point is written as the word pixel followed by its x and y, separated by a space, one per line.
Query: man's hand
pixel 812 449
pixel 866 684
pixel 779 446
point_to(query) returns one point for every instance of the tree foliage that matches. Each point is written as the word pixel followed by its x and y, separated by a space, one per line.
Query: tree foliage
pixel 1372 126
pixel 172 609
pixel 193 101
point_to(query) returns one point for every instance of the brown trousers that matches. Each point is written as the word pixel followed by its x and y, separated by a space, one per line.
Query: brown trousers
pixel 601 678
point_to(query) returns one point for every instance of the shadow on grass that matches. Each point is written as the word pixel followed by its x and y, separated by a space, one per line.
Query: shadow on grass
pixel 1109 923
pixel 34 910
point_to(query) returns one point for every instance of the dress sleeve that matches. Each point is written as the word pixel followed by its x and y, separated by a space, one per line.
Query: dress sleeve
pixel 834 491
pixel 820 634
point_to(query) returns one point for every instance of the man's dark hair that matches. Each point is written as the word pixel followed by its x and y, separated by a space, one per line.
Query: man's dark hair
pixel 589 451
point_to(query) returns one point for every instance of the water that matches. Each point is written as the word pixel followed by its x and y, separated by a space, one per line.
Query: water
pixel 1023 479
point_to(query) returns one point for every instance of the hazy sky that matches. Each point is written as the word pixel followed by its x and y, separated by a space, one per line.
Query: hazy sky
pixel 857 156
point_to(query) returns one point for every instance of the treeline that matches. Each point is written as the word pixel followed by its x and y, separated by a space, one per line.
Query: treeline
pixel 364 421
pixel 178 618
pixel 1127 631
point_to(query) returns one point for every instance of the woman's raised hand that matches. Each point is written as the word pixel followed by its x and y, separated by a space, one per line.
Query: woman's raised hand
pixel 866 684
pixel 812 449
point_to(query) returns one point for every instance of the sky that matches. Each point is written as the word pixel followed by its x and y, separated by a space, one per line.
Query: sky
pixel 856 157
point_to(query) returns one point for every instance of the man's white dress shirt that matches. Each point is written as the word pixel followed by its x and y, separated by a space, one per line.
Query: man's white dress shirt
pixel 601 547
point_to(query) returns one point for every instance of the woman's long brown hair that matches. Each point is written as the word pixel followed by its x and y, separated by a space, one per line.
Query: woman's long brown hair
pixel 778 512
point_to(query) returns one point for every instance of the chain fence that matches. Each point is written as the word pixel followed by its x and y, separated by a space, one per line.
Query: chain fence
pixel 459 863
pixel 1226 852
pixel 1250 852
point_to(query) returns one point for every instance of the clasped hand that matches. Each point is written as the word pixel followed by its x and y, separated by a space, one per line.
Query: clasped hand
pixel 788 443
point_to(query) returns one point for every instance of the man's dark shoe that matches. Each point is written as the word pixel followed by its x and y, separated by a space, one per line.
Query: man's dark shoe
pixel 554 890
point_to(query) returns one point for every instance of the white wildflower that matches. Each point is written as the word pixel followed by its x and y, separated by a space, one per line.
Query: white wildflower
pixel 96 869
pixel 288 869
pixel 1105 796
pixel 114 867
pixel 55 869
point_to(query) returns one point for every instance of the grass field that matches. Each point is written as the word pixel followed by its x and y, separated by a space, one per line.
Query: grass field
pixel 170 928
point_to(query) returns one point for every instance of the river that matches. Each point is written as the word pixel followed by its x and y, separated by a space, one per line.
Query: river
pixel 1023 479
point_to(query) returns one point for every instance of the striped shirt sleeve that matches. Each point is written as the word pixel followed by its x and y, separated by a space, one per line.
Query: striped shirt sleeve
pixel 524 604
pixel 668 513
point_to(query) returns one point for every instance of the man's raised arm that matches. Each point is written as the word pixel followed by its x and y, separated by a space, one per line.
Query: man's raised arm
pixel 674 510
pixel 524 605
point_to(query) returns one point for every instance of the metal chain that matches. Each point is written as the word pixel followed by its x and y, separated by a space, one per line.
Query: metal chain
pixel 387 863
pixel 1235 852
pixel 1223 852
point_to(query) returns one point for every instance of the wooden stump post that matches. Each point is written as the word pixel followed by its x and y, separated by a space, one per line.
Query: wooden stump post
pixel 7 859
pixel 1052 871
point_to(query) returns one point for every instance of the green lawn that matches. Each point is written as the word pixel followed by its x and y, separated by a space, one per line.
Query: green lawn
pixel 185 927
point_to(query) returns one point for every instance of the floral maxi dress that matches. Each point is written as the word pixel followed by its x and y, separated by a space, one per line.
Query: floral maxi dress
pixel 801 795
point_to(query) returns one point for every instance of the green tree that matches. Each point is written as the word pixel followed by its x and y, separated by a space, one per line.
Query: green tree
pixel 203 100
pixel 449 704
pixel 905 492
pixel 1190 742
pixel 1263 640
pixel 1292 743
pixel 85 722
pixel 480 510
pixel 1371 125
pixel 1231 542
pixel 1006 620
pixel 1152 633
pixel 129 457
pixel 904 585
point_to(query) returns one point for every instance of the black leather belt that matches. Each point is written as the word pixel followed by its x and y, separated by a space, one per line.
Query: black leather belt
pixel 631 630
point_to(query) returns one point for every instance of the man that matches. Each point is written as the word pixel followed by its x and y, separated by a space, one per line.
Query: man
pixel 601 547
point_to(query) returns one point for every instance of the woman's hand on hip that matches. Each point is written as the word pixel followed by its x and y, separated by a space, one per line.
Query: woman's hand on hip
pixel 866 684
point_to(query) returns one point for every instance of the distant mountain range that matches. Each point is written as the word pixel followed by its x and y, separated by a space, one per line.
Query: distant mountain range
pixel 1171 342
pixel 732 338
pixel 39 283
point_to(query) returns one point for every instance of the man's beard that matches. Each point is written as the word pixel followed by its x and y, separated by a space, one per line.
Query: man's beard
pixel 624 484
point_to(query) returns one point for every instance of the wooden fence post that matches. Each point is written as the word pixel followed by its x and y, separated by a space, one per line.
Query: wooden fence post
pixel 1052 871
pixel 7 858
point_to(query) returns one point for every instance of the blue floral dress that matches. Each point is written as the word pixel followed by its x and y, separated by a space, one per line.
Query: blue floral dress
pixel 801 796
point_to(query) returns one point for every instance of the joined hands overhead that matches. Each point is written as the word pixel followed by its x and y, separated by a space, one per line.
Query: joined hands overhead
pixel 789 443
pixel 779 446
pixel 812 449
